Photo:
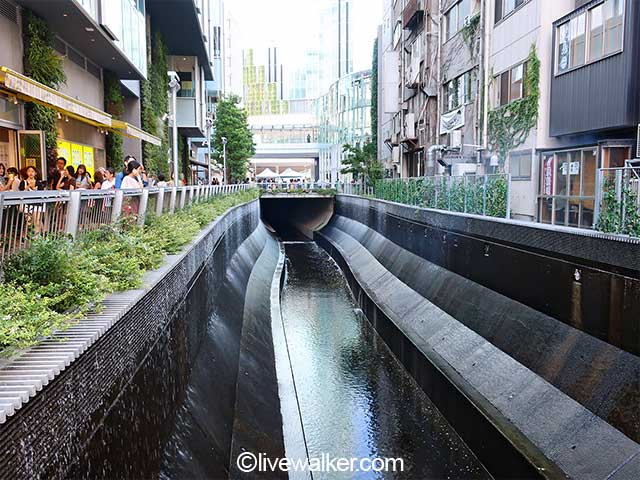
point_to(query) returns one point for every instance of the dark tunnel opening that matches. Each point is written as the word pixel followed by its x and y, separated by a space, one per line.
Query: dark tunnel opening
pixel 296 218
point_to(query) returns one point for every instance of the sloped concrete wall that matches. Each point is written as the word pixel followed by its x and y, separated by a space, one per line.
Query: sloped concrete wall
pixel 552 390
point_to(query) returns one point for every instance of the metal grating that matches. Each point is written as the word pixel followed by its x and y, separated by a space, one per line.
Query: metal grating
pixel 59 46
pixel 94 69
pixel 76 57
pixel 9 11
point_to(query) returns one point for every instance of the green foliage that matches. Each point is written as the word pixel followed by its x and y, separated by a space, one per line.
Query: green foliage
pixel 114 105
pixel 362 163
pixel 470 31
pixel 619 214
pixel 155 105
pixel 509 126
pixel 374 98
pixel 457 194
pixel 231 122
pixel 43 65
pixel 55 281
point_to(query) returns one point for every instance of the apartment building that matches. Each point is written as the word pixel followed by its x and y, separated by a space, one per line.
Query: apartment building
pixel 584 56
pixel 98 41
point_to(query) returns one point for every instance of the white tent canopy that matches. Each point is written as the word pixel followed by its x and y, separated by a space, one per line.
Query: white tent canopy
pixel 291 173
pixel 267 173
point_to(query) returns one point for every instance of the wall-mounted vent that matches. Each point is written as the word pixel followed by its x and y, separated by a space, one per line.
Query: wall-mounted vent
pixel 9 11
pixel 76 57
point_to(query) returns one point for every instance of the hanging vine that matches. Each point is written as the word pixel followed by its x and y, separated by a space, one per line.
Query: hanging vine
pixel 114 105
pixel 470 32
pixel 155 105
pixel 43 65
pixel 509 125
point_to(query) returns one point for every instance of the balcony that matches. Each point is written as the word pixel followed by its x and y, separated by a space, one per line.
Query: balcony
pixel 412 14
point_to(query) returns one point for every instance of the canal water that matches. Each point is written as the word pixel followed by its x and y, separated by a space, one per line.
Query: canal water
pixel 355 398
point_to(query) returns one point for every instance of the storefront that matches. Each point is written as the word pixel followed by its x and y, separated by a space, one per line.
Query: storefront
pixel 567 192
pixel 10 124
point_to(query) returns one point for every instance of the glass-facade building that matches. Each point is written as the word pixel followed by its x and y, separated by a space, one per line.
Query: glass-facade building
pixel 344 115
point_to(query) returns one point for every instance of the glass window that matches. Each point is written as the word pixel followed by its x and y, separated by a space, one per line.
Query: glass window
pixel 505 7
pixel 613 13
pixel 520 165
pixel 546 207
pixel 577 40
pixel 596 32
pixel 455 18
pixel 589 172
pixel 563 47
pixel 562 172
pixel 575 159
pixel 560 211
pixel 516 87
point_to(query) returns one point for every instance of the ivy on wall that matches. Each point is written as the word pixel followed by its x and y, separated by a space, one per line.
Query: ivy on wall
pixel 43 65
pixel 155 105
pixel 114 105
pixel 509 125
pixel 470 32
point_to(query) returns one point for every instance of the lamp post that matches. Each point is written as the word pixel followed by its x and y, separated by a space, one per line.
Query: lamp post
pixel 224 160
pixel 174 87
pixel 209 123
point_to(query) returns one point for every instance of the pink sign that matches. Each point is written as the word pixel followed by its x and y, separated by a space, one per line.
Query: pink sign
pixel 547 173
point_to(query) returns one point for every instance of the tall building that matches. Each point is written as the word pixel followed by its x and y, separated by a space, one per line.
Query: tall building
pixel 104 47
pixel 336 41
pixel 344 115
pixel 264 83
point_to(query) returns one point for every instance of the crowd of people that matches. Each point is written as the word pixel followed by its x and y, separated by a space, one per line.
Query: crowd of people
pixel 67 177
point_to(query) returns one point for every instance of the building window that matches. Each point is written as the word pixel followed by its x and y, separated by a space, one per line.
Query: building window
pixel 505 7
pixel 511 85
pixel 459 91
pixel 590 36
pixel 456 17
pixel 567 187
pixel 520 165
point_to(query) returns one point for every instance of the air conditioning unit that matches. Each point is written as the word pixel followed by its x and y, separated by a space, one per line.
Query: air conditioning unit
pixel 395 155
pixel 455 139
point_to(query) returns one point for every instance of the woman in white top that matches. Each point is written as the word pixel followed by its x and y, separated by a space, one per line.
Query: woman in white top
pixel 108 182
pixel 132 179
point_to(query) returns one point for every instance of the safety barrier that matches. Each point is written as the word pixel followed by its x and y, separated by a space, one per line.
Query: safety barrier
pixel 28 215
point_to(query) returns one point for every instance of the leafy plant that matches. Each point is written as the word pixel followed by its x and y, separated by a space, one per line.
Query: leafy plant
pixel 362 163
pixel 51 284
pixel 509 125
pixel 114 105
pixel 231 122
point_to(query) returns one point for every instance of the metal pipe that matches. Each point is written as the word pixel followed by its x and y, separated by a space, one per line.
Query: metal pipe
pixel 174 87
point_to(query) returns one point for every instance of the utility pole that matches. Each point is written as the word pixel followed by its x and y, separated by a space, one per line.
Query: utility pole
pixel 224 160
pixel 174 87
pixel 209 123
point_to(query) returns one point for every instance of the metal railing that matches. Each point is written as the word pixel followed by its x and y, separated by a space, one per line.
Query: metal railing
pixel 340 187
pixel 488 195
pixel 617 206
pixel 28 215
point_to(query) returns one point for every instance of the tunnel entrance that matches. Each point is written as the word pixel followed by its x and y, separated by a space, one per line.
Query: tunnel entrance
pixel 296 217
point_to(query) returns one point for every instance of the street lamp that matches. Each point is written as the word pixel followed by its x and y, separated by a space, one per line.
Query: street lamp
pixel 209 124
pixel 224 160
pixel 174 87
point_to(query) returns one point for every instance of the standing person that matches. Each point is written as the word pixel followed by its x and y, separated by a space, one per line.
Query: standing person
pixel 30 182
pixel 133 179
pixel 83 178
pixel 67 180
pixel 161 181
pixel 109 182
pixel 13 179
pixel 123 173
pixel 61 163
pixel 3 180
pixel 33 213
pixel 97 185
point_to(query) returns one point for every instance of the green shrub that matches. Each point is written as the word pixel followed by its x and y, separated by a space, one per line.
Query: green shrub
pixel 56 280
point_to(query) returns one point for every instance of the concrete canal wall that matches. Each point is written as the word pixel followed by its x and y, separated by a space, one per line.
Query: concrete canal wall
pixel 160 391
pixel 498 322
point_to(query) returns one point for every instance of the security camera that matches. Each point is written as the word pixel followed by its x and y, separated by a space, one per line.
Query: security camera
pixel 174 80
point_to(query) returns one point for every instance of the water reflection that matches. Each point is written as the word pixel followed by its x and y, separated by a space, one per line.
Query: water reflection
pixel 355 398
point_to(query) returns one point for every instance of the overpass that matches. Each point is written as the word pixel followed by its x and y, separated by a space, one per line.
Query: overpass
pixel 280 156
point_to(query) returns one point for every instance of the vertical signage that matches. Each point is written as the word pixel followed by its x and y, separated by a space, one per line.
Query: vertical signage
pixel 77 154
pixel 547 178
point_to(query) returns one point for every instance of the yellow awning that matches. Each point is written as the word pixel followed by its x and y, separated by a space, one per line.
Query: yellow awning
pixel 134 132
pixel 27 89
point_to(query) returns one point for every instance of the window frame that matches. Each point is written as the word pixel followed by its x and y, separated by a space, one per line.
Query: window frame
pixel 504 16
pixel 587 44
pixel 459 23
pixel 498 81
pixel 521 155
pixel 468 92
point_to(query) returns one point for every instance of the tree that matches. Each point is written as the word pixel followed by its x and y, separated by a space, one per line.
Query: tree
pixel 231 122
pixel 362 163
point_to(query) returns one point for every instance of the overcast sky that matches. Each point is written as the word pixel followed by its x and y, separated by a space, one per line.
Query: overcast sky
pixel 286 23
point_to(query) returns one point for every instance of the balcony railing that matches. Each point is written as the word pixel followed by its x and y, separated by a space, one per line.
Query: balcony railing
pixel 412 14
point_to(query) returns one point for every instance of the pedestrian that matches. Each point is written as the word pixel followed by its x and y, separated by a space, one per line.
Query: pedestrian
pixel 67 180
pixel 108 182
pixel 97 185
pixel 83 178
pixel 13 179
pixel 61 163
pixel 123 173
pixel 3 180
pixel 132 179
pixel 161 181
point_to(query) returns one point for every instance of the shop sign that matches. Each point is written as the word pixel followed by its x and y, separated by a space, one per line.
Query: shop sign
pixel 548 176
pixel 77 154
pixel 574 168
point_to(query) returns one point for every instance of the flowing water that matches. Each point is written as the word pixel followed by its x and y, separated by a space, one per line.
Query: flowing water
pixel 355 398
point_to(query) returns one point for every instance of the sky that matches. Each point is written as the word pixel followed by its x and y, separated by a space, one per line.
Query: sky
pixel 286 23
